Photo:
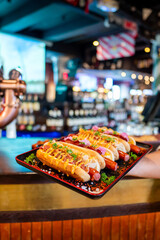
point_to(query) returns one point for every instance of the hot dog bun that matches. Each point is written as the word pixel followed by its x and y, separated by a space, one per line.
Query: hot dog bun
pixel 102 150
pixel 132 140
pixel 92 153
pixel 100 141
pixel 69 159
pixel 117 143
pixel 126 144
pixel 114 151
pixel 121 144
pixel 49 160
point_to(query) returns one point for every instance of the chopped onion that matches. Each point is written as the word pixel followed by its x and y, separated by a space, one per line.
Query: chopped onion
pixel 95 128
pixel 102 149
pixel 124 136
pixel 85 141
pixel 108 132
pixel 68 138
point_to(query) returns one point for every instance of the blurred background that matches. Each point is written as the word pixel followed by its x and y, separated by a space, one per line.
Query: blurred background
pixel 85 63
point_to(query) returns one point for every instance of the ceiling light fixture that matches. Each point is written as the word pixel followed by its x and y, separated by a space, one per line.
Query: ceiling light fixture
pixel 147 82
pixel 140 77
pixel 147 49
pixel 123 74
pixel 133 76
pixel 95 43
pixel 76 89
pixel 152 79
pixel 146 78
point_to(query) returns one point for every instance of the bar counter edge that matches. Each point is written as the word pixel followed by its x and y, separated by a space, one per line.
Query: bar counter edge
pixel 50 202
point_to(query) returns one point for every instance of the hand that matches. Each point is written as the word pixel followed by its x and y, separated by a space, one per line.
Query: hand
pixel 148 167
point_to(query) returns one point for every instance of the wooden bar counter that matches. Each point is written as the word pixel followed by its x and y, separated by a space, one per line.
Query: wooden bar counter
pixel 30 204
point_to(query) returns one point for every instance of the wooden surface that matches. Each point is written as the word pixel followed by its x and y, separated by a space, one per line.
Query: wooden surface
pixel 133 227
pixel 57 197
pixel 48 202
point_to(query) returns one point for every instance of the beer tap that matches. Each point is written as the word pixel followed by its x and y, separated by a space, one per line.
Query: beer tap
pixel 10 90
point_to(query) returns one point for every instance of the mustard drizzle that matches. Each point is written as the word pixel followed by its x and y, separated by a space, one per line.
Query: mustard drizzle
pixel 60 158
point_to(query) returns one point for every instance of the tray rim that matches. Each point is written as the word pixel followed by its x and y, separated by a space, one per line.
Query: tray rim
pixel 76 188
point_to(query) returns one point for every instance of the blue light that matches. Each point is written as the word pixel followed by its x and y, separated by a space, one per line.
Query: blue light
pixel 113 9
pixel 104 9
pixel 107 9
pixel 87 82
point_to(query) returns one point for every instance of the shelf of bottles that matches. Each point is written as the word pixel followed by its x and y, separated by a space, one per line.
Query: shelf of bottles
pixel 35 115
pixel 85 118
pixel 39 116
pixel 29 118
pixel 119 115
pixel 55 120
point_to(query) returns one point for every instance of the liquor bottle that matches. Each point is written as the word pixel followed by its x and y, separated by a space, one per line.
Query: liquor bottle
pixel 60 121
pixel 70 120
pixel 81 112
pixel 77 119
pixel 36 103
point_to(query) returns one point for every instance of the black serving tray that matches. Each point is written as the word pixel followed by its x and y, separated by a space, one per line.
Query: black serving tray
pixel 89 189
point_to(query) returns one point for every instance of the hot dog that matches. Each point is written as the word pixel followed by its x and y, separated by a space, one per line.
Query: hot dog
pixel 113 142
pixel 94 174
pixel 135 149
pixel 123 156
pixel 92 153
pixel 70 160
pixel 97 140
pixel 111 164
pixel 123 136
pixel 102 140
pixel 107 162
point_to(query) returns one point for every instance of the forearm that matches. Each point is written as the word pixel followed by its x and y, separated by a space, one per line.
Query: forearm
pixel 148 167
